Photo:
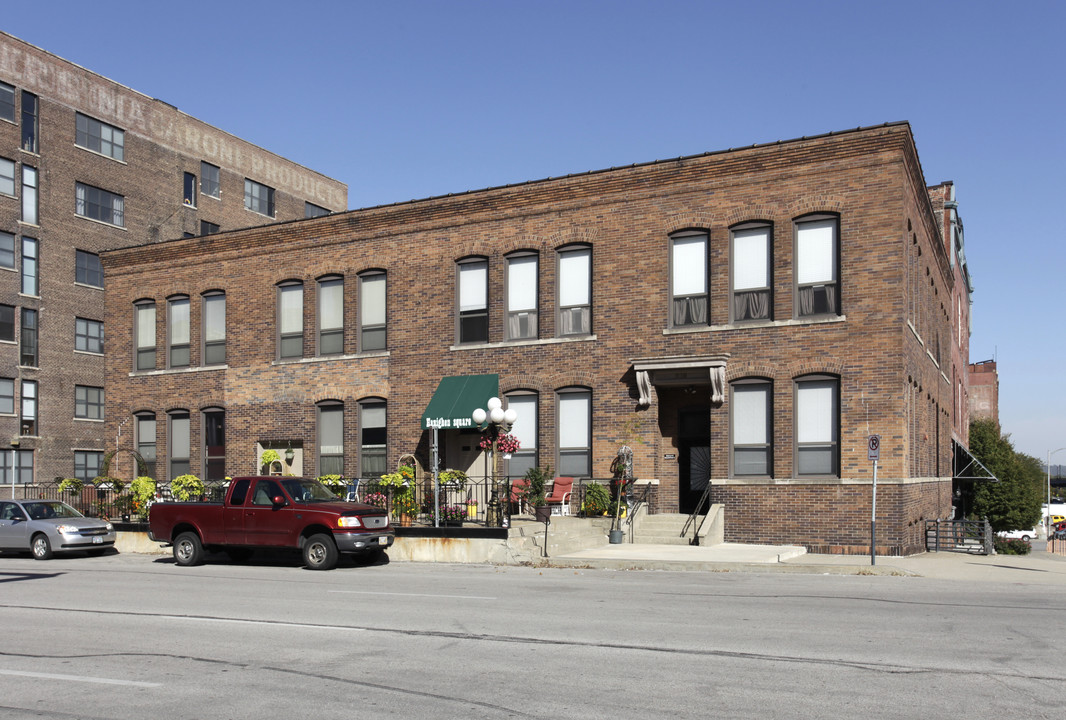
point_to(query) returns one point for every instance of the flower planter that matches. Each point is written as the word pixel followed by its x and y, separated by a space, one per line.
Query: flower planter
pixel 542 513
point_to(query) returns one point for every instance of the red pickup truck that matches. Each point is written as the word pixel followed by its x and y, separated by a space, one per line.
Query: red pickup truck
pixel 275 512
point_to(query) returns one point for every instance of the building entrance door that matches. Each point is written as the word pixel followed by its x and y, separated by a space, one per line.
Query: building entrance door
pixel 693 456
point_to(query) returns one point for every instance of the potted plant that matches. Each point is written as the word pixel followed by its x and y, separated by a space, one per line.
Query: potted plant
pixel 185 486
pixel 377 499
pixel 404 508
pixel 535 491
pixel 267 460
pixel 452 478
pixel 596 500
pixel 143 490
pixel 71 485
pixel 453 515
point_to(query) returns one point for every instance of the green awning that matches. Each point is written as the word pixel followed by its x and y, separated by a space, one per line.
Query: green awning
pixel 456 398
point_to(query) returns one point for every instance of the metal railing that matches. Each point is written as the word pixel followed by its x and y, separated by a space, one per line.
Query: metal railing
pixel 968 536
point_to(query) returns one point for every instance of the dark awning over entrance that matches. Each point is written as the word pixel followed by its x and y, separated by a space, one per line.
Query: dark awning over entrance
pixel 456 399
pixel 965 466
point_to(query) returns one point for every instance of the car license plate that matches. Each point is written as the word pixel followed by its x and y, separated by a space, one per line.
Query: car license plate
pixel 98 540
pixel 383 541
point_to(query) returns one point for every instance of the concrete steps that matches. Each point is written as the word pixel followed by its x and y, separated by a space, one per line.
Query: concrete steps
pixel 661 529
pixel 566 534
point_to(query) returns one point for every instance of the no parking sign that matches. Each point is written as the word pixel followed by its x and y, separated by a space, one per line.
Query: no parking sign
pixel 873 448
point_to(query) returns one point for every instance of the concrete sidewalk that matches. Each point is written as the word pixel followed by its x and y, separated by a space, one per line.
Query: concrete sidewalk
pixel 1039 567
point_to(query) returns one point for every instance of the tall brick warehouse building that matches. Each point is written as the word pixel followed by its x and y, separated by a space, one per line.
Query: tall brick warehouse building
pixel 746 317
pixel 87 165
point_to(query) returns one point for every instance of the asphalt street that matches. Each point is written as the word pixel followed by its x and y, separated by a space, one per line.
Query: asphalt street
pixel 133 636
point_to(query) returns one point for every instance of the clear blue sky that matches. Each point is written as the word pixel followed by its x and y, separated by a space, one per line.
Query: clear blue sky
pixel 405 100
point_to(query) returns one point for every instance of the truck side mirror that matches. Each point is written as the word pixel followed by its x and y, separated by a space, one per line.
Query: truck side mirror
pixel 279 500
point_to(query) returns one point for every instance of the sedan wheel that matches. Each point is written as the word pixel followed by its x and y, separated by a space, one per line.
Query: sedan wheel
pixel 42 549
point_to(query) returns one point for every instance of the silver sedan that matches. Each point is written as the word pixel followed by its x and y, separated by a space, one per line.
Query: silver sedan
pixel 45 527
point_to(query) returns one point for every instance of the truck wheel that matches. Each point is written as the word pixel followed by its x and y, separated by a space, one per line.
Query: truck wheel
pixel 188 550
pixel 320 552
pixel 42 549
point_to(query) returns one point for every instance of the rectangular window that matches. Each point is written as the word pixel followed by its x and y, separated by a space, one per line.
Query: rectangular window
pixel 23 470
pixel 291 321
pixel 331 439
pixel 372 439
pixel 817 426
pixel 751 428
pixel 188 192
pixel 31 281
pixel 209 180
pixel 215 444
pixel 28 425
pixel 29 195
pixel 372 312
pixel 688 279
pixel 96 204
pixel 179 444
pixel 88 402
pixel 29 122
pixel 312 211
pixel 574 291
pixel 473 301
pixel 146 442
pixel 575 449
pixel 7 250
pixel 7 102
pixel 144 322
pixel 214 329
pixel 751 274
pixel 99 137
pixel 525 429
pixel 88 335
pixel 208 228
pixel 331 316
pixel 259 198
pixel 178 332
pixel 522 297
pixel 87 464
pixel 7 177
pixel 7 396
pixel 7 323
pixel 28 353
pixel 87 269
pixel 817 248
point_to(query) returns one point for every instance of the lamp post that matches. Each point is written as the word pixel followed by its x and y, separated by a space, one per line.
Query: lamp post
pixel 494 421
pixel 1047 520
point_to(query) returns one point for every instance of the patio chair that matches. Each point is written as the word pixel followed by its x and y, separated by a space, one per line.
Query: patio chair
pixel 559 498
pixel 518 487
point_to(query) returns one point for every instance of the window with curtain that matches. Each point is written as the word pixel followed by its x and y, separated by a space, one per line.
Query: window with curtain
pixel 97 204
pixel 29 195
pixel 372 326
pixel 525 429
pixel 574 291
pixel 178 332
pixel 373 439
pixel 28 425
pixel 688 279
pixel 817 418
pixel 331 438
pixel 214 320
pixel 522 297
pixel 31 277
pixel 473 301
pixel 752 432
pixel 214 424
pixel 209 180
pixel 144 330
pixel 331 316
pixel 291 320
pixel 574 433
pixel 817 251
pixel 751 273
pixel 179 443
pixel 146 429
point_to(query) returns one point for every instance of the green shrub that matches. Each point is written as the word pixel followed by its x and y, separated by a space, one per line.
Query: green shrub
pixel 597 499
pixel 1004 546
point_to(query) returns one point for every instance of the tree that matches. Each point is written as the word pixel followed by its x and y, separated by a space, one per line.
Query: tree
pixel 1013 503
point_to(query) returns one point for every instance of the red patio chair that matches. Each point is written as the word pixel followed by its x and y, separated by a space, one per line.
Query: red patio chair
pixel 518 487
pixel 559 497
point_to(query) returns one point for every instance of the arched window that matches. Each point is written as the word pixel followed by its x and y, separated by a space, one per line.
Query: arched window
pixel 752 427
pixel 472 298
pixel 817 265
pixel 331 438
pixel 331 315
pixel 574 291
pixel 688 278
pixel 214 332
pixel 372 315
pixel 750 272
pixel 178 331
pixel 574 432
pixel 290 320
pixel 817 418
pixel 522 286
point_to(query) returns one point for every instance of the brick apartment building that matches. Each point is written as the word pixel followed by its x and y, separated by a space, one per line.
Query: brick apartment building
pixel 87 165
pixel 748 316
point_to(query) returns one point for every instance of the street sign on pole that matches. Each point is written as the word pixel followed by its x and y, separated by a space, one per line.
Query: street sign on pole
pixel 873 452
pixel 873 448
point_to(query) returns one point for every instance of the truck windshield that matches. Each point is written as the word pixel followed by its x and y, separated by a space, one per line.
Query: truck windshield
pixel 307 490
